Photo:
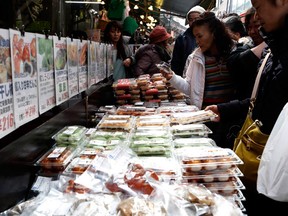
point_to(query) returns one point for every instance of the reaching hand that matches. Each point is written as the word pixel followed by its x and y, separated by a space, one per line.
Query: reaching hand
pixel 168 76
pixel 214 109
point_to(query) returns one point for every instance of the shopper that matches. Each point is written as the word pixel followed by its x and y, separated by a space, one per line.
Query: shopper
pixel 252 25
pixel 207 79
pixel 272 92
pixel 185 43
pixel 237 30
pixel 147 56
pixel 243 64
pixel 113 35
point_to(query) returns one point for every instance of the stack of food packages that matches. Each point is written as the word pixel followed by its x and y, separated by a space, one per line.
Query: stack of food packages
pixel 68 140
pixel 145 88
pixel 144 161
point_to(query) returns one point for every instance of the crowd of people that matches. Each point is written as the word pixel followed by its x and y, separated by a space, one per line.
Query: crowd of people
pixel 215 63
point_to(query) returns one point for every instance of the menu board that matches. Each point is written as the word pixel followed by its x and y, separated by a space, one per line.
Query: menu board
pixel 61 71
pixel 72 60
pixel 6 92
pixel 46 80
pixel 24 76
pixel 82 65
pixel 92 64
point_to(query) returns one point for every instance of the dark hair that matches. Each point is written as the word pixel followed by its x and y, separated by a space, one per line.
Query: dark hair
pixel 222 39
pixel 120 44
pixel 235 24
pixel 248 15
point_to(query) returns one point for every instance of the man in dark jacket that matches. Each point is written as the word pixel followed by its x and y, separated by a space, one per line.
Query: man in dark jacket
pixel 272 91
pixel 185 43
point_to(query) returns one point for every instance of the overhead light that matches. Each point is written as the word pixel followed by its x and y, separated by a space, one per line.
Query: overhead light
pixel 85 2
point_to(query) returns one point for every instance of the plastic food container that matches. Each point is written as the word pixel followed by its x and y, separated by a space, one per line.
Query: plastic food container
pixel 110 109
pixel 165 167
pixel 200 116
pixel 152 120
pixel 116 122
pixel 135 110
pixel 190 130
pixel 194 142
pixel 70 135
pixel 204 176
pixel 206 158
pixel 176 109
pixel 226 188
pixel 78 165
pixel 57 158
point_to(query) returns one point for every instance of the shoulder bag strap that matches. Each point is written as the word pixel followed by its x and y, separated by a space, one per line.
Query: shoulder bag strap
pixel 255 88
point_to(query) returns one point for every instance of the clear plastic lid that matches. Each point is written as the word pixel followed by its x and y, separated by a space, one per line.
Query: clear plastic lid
pixel 194 142
pixel 103 144
pixel 135 110
pixel 212 176
pixel 162 166
pixel 124 84
pixel 111 109
pixel 231 171
pixel 70 135
pixel 176 109
pixel 89 153
pixel 152 150
pixel 192 117
pixel 190 130
pixel 152 142
pixel 57 158
pixel 148 132
pixel 78 165
pixel 228 187
pixel 207 158
pixel 108 135
pixel 236 195
pixel 120 122
pixel 152 120
pixel 117 117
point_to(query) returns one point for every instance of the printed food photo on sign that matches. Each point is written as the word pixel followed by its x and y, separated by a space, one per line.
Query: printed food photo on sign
pixel 24 56
pixel 5 65
pixel 46 51
pixel 60 59
pixel 83 54
pixel 72 54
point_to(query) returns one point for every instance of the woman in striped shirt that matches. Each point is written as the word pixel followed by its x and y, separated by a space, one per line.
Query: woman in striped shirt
pixel 207 80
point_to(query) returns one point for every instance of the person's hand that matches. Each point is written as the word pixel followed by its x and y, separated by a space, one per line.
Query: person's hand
pixel 127 62
pixel 214 109
pixel 164 73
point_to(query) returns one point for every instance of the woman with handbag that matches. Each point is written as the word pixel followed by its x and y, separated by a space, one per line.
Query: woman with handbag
pixel 272 95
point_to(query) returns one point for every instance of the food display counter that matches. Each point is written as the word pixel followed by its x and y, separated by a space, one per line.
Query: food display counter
pixel 153 157
pixel 21 149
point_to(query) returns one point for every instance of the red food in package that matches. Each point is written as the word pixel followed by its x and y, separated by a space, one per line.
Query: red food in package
pixel 135 178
